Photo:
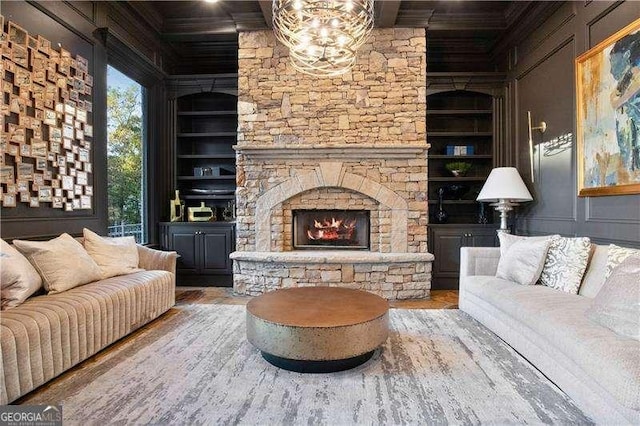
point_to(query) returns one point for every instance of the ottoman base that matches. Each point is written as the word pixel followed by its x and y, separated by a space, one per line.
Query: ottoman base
pixel 329 366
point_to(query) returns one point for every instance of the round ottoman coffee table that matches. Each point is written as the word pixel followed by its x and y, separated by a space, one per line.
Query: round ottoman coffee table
pixel 317 329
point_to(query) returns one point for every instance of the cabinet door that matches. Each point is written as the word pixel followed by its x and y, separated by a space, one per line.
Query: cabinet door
pixel 445 246
pixel 217 244
pixel 185 242
pixel 482 237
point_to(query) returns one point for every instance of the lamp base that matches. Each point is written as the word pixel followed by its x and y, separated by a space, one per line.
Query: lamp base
pixel 504 207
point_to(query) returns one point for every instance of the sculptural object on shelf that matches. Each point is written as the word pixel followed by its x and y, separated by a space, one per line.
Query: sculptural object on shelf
pixel 176 209
pixel 441 216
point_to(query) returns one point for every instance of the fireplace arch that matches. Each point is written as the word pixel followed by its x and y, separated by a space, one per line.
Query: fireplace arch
pixel 331 174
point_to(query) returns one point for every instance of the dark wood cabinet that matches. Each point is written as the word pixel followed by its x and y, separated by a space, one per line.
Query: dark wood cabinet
pixel 446 241
pixel 204 250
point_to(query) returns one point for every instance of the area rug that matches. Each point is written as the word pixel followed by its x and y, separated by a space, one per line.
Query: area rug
pixel 196 367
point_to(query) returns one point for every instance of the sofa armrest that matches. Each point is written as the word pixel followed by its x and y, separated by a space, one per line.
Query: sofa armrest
pixel 479 261
pixel 154 260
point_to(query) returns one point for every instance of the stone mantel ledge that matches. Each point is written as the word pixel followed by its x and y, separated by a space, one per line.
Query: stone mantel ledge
pixel 350 151
pixel 329 257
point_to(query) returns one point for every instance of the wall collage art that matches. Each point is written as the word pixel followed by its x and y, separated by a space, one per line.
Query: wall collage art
pixel 47 132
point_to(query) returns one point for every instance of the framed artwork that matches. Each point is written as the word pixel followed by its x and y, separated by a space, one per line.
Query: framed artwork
pixel 9 200
pixel 608 100
pixel 17 35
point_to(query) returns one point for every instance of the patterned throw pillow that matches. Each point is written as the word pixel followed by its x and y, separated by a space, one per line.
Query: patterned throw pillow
pixel 615 256
pixel 566 263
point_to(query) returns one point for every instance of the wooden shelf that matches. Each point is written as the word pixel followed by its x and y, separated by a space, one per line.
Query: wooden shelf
pixel 461 157
pixel 458 111
pixel 224 177
pixel 205 113
pixel 459 134
pixel 456 179
pixel 205 134
pixel 463 202
pixel 209 197
pixel 206 156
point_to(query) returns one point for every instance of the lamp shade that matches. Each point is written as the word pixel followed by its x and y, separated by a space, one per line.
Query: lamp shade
pixel 504 183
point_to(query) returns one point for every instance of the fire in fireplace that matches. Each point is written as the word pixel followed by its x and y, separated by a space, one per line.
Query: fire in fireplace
pixel 335 229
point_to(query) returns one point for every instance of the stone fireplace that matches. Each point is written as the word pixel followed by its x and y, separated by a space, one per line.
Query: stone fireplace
pixel 346 144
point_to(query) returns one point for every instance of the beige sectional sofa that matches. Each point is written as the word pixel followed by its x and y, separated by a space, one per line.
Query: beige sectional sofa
pixel 47 335
pixel 597 368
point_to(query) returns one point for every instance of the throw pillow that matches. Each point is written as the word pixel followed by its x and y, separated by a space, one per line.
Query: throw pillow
pixel 522 258
pixel 114 256
pixel 617 304
pixel 615 256
pixel 62 262
pixel 18 278
pixel 566 263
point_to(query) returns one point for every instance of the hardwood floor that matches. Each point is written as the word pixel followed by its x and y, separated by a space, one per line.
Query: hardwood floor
pixel 440 299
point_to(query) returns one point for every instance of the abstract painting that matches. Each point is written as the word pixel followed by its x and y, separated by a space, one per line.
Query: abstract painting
pixel 608 101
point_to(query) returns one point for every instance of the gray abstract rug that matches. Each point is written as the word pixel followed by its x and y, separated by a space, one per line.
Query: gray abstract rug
pixel 196 367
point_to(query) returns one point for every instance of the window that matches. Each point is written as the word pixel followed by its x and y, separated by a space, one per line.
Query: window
pixel 125 154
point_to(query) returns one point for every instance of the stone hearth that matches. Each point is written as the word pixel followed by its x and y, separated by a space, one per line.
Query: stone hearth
pixel 356 142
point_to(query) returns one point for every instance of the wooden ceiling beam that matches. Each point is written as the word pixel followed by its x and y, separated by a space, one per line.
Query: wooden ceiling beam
pixel 267 12
pixel 386 13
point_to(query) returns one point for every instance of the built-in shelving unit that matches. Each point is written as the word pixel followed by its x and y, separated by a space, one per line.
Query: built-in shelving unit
pixel 205 161
pixel 459 118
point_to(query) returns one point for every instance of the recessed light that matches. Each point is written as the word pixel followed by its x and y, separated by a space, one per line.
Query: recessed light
pixel 211 1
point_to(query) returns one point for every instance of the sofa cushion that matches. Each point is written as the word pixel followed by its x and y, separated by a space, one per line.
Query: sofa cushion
pixel 18 280
pixel 559 319
pixel 61 262
pixel 566 263
pixel 114 256
pixel 594 277
pixel 617 306
pixel 521 258
pixel 47 335
pixel 615 257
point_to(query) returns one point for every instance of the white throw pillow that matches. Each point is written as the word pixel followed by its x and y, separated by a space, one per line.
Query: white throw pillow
pixel 566 263
pixel 522 258
pixel 18 278
pixel 114 256
pixel 62 262
pixel 615 256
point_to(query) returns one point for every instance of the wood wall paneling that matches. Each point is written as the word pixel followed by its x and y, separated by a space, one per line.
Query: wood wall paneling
pixel 541 80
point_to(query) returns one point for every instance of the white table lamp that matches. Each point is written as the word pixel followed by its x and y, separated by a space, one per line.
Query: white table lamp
pixel 504 188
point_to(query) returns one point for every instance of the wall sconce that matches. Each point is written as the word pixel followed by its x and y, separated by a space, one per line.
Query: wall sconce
pixel 543 128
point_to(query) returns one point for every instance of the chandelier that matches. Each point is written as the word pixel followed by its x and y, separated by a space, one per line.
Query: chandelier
pixel 322 35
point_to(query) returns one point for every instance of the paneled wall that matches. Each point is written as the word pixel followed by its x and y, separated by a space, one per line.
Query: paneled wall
pixel 541 79
pixel 102 32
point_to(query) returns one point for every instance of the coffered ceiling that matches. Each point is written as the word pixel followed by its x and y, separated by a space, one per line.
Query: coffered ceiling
pixel 204 35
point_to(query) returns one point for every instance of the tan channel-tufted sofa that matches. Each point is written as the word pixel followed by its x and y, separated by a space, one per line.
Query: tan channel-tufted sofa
pixel 597 368
pixel 46 335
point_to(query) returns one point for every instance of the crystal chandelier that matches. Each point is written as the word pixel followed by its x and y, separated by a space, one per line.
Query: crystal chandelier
pixel 322 35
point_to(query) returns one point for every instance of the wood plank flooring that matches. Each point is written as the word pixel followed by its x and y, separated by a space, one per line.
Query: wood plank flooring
pixel 440 299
